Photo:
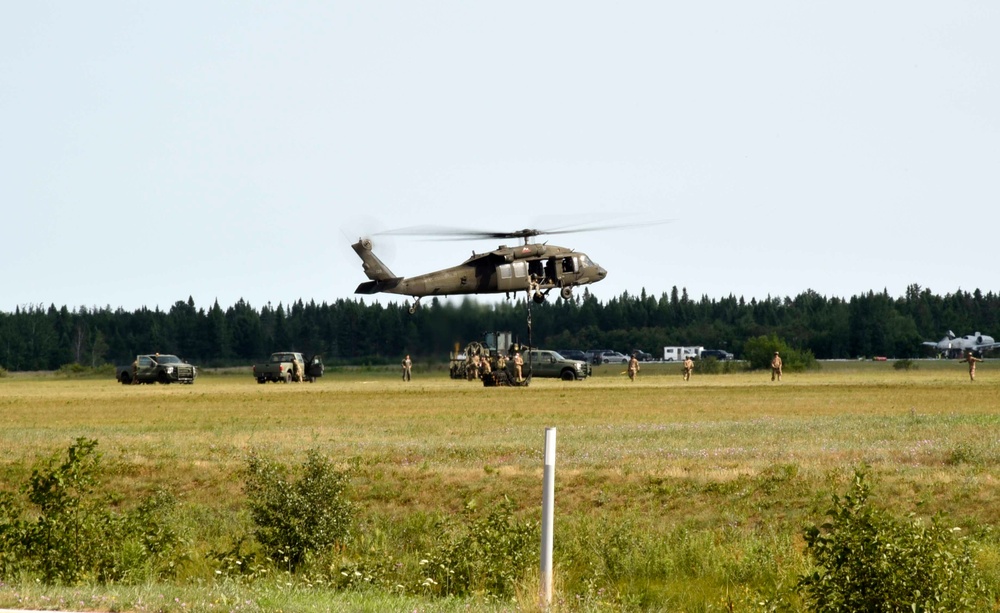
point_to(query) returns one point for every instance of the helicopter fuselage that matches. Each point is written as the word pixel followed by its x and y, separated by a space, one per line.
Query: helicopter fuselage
pixel 536 268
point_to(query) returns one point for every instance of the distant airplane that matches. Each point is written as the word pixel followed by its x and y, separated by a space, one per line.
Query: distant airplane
pixel 953 347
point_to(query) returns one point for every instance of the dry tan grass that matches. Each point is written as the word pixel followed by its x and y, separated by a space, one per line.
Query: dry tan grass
pixel 432 442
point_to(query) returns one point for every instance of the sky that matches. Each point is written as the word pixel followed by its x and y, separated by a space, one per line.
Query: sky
pixel 156 151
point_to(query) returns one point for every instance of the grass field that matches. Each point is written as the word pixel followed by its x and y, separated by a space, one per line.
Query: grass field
pixel 670 496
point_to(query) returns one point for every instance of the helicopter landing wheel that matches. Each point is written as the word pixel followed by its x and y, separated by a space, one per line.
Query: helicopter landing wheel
pixel 539 297
pixel 566 293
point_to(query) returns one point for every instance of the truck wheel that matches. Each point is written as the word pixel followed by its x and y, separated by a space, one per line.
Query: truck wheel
pixel 261 380
pixel 126 379
pixel 568 375
pixel 164 378
pixel 287 379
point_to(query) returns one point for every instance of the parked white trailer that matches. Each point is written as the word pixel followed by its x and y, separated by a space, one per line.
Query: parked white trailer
pixel 678 354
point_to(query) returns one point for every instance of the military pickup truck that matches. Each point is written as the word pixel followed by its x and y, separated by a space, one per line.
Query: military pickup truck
pixel 545 363
pixel 156 368
pixel 280 367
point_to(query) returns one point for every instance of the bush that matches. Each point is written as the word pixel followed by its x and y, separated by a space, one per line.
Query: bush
pixel 905 364
pixel 75 370
pixel 707 366
pixel 296 517
pixel 490 554
pixel 868 561
pixel 758 352
pixel 72 535
pixel 3 372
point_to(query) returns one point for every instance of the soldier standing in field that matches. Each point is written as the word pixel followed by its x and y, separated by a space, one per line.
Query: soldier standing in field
pixel 472 370
pixel 518 363
pixel 407 367
pixel 135 371
pixel 971 359
pixel 688 368
pixel 296 370
pixel 776 367
pixel 633 367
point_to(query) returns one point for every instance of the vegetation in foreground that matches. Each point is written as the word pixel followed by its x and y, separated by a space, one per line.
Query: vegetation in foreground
pixel 670 497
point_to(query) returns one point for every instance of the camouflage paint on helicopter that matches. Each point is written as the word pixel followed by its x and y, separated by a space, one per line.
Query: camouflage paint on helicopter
pixel 535 268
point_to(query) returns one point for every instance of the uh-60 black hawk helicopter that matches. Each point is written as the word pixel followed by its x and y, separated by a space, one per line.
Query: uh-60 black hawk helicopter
pixel 535 268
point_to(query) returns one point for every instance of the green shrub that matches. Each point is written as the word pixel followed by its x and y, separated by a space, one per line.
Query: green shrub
pixel 70 535
pixel 707 366
pixel 294 518
pixel 489 554
pixel 904 364
pixel 3 372
pixel 79 371
pixel 759 350
pixel 868 561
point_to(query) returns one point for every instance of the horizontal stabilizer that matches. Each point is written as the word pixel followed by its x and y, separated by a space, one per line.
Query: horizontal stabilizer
pixel 374 287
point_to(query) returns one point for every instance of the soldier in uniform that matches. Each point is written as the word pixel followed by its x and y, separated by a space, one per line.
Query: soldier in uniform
pixel 518 363
pixel 472 370
pixel 296 369
pixel 971 359
pixel 776 367
pixel 407 367
pixel 633 367
pixel 688 368
pixel 135 371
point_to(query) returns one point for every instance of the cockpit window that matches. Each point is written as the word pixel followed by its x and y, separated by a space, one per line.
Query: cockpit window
pixel 585 261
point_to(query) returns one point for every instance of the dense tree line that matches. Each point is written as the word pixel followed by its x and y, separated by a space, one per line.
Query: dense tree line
pixel 353 331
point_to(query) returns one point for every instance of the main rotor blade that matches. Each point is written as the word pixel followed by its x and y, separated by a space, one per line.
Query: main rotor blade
pixel 461 234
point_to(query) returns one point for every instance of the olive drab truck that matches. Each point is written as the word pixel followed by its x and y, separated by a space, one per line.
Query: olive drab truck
pixel 156 368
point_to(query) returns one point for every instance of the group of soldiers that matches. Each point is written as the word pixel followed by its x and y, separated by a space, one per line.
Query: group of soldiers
pixel 479 366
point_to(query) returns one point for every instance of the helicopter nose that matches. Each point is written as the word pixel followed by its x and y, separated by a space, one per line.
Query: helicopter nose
pixel 601 273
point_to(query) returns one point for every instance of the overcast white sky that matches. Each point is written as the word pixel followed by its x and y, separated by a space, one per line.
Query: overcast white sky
pixel 152 151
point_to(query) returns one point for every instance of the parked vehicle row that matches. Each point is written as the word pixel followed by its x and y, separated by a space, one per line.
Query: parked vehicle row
pixel 285 366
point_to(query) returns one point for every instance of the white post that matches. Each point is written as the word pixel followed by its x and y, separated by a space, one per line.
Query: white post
pixel 548 507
